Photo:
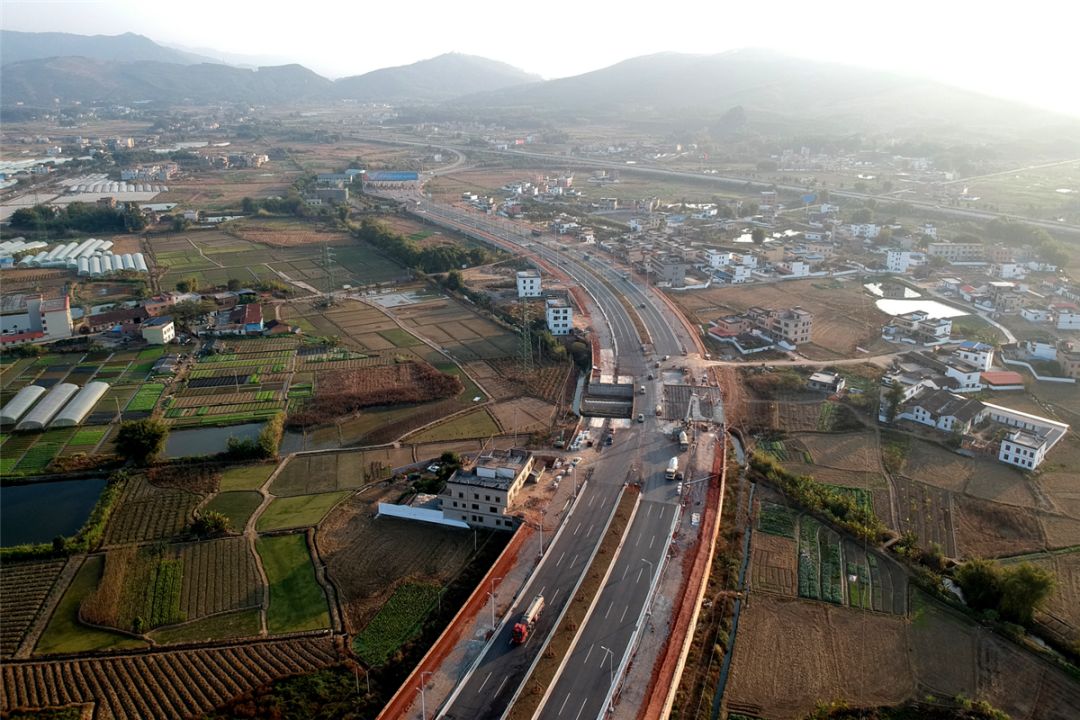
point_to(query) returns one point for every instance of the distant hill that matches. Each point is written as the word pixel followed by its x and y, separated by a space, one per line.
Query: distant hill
pixel 39 81
pixel 769 87
pixel 18 46
pixel 77 78
pixel 438 78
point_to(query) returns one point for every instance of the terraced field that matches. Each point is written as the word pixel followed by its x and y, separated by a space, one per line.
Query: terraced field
pixel 162 684
pixel 23 589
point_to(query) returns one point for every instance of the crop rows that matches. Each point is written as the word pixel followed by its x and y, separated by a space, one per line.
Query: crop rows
pixel 146 398
pixel 776 520
pixel 88 437
pixel 809 559
pixel 23 588
pixel 165 684
pixel 37 458
pixel 260 356
pixel 218 576
pixel 150 513
pixel 775 448
pixel 397 622
pixel 832 589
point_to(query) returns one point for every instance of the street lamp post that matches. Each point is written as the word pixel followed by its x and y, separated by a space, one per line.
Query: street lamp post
pixel 542 514
pixel 423 700
pixel 610 656
pixel 492 596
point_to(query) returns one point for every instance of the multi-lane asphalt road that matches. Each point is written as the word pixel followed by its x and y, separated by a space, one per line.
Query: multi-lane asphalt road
pixel 640 454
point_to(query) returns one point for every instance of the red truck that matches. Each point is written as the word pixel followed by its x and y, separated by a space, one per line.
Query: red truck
pixel 524 626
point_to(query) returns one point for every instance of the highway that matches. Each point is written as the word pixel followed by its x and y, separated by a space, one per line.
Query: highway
pixel 640 454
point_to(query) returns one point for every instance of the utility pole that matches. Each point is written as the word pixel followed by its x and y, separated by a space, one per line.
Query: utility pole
pixel 328 265
pixel 492 596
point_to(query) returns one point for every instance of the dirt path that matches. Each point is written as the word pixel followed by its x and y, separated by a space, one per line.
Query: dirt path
pixel 251 535
pixel 203 255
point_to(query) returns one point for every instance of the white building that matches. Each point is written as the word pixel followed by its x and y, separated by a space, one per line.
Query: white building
pixel 898 261
pixel 1068 320
pixel 718 258
pixel 978 354
pixel 24 318
pixel 159 330
pixel 560 316
pixel 1032 439
pixel 528 283
pixel 1008 271
pixel 868 231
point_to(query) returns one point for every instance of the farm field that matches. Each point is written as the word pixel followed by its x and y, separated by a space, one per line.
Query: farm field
pixel 297 601
pixel 396 623
pixel 245 477
pixel 148 512
pixel 328 472
pixel 836 653
pixel 844 314
pixel 297 511
pixel 65 633
pixel 23 590
pixel 218 576
pixel 213 257
pixel 1061 615
pixel 870 659
pixel 169 683
pixel 474 424
pixel 236 505
pixel 367 557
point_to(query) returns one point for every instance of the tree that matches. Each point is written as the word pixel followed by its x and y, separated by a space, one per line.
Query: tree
pixel 233 284
pixel 248 206
pixel 1024 588
pixel 981 582
pixel 210 523
pixel 141 440
pixel 758 235
pixel 893 396
pixel 183 286
pixel 862 215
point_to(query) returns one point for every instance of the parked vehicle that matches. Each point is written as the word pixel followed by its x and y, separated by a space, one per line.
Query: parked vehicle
pixel 672 468
pixel 527 622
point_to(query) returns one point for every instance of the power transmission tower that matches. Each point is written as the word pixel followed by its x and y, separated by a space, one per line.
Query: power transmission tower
pixel 526 338
pixel 328 265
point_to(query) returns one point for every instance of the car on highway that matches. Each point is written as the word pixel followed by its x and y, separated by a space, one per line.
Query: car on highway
pixel 642 305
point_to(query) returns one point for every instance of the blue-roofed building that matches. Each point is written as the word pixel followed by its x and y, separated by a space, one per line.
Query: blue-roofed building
pixel 391 179
pixel 978 354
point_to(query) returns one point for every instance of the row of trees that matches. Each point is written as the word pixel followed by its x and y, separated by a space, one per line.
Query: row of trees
pixel 435 259
pixel 81 217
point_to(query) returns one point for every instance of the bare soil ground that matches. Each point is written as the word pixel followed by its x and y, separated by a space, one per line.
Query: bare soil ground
pixel 952 656
pixel 844 451
pixel 816 653
pixel 928 512
pixel 524 415
pixel 368 557
pixel 844 316
pixel 987 529
pixel 286 233
pixel 774 566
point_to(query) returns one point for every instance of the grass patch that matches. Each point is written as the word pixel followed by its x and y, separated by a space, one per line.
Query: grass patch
pixel 775 448
pixel 399 337
pixel 237 506
pixel 396 623
pixel 776 520
pixel 475 424
pixel 246 477
pixel 894 450
pixel 244 623
pixel 299 511
pixel 65 634
pixel 297 601
pixel 146 398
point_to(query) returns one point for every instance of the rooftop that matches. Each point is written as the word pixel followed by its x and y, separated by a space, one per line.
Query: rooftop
pixel 161 320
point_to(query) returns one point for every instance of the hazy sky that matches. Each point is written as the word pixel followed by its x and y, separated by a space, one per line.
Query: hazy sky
pixel 1027 50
